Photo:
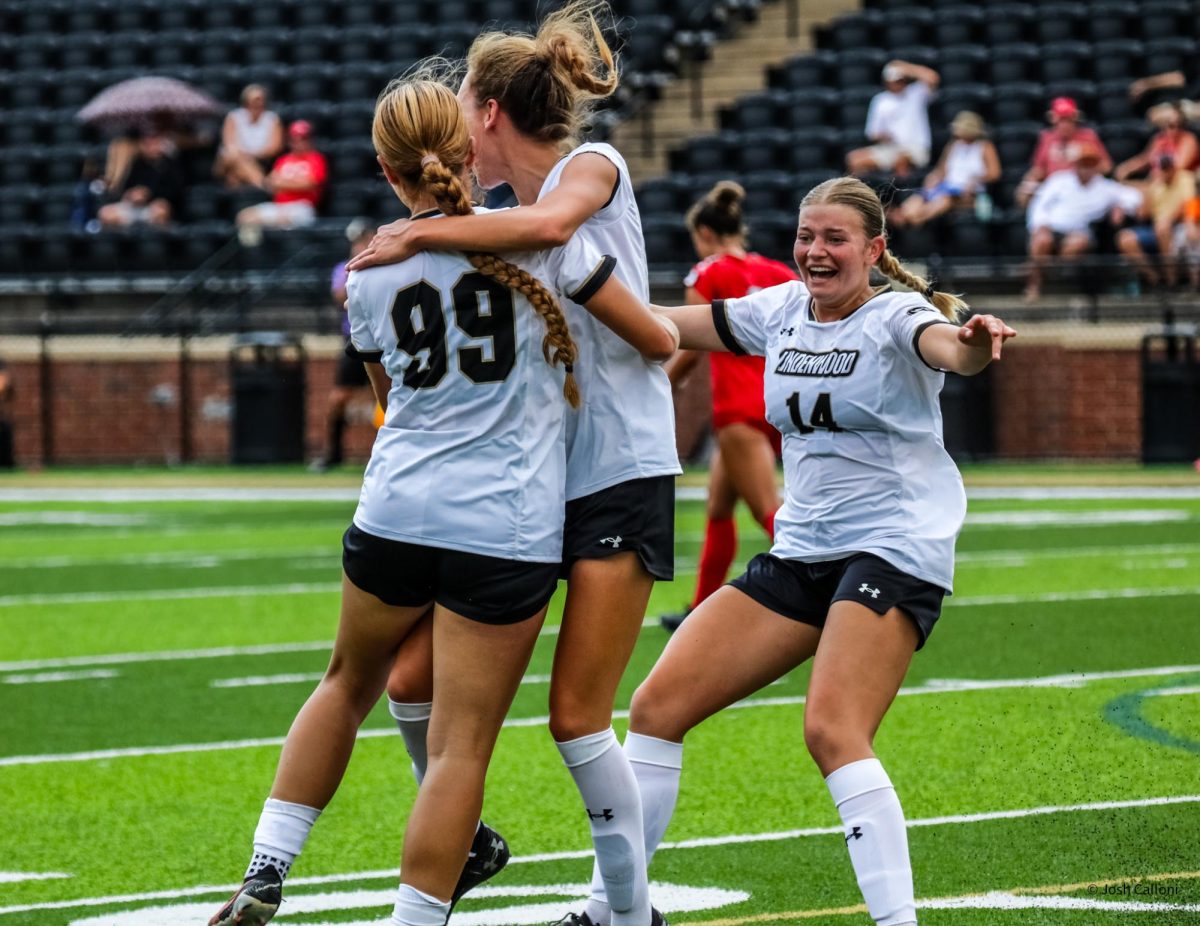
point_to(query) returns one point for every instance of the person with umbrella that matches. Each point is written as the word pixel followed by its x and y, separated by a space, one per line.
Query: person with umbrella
pixel 152 188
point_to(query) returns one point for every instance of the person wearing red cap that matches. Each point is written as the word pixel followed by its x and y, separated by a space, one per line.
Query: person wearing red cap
pixel 1057 146
pixel 297 182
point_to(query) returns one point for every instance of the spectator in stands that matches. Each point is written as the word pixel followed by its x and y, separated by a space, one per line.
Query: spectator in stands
pixel 1058 145
pixel 351 373
pixel 1163 207
pixel 1172 144
pixel 968 163
pixel 1170 87
pixel 898 122
pixel 152 188
pixel 1186 247
pixel 297 182
pixel 251 138
pixel 1064 208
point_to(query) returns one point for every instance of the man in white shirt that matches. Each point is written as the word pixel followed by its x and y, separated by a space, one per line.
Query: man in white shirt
pixel 897 122
pixel 1065 206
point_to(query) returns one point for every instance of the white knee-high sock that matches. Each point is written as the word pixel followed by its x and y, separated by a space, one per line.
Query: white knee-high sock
pixel 282 830
pixel 416 908
pixel 610 794
pixel 413 721
pixel 877 839
pixel 656 766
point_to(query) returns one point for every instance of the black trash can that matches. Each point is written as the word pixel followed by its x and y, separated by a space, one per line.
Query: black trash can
pixel 1170 396
pixel 267 374
pixel 967 416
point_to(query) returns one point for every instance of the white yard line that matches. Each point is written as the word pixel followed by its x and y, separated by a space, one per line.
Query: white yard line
pixel 1094 594
pixel 13 877
pixel 1172 692
pixel 707 842
pixel 179 557
pixel 39 678
pixel 932 687
pixel 292 678
pixel 1033 519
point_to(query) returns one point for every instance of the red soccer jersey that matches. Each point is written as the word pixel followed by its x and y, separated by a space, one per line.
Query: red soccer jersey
pixel 737 382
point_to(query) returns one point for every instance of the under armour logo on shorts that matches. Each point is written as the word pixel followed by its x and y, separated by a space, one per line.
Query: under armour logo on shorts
pixel 867 590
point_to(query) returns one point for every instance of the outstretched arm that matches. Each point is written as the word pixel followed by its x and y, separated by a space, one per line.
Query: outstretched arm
pixel 695 325
pixel 587 184
pixel 651 335
pixel 966 348
pixel 381 383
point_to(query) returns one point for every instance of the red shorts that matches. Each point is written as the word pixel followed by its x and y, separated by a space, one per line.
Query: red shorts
pixel 724 417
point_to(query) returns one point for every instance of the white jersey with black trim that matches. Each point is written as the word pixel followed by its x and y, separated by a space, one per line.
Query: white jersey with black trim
pixel 471 454
pixel 865 469
pixel 625 428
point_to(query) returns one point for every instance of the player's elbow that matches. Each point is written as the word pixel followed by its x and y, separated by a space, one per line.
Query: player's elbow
pixel 661 345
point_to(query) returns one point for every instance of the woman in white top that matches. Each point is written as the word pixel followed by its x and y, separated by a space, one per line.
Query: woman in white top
pixel 968 163
pixel 525 97
pixel 864 542
pixel 460 519
pixel 251 139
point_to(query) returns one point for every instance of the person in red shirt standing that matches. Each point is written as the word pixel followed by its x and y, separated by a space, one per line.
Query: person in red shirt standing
pixel 747 446
pixel 297 182
pixel 1058 145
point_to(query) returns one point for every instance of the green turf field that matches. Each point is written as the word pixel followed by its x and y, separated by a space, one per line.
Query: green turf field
pixel 154 649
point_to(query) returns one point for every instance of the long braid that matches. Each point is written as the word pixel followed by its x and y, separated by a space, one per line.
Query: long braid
pixel 558 347
pixel 948 304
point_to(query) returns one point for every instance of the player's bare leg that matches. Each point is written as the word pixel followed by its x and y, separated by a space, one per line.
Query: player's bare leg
pixel 750 462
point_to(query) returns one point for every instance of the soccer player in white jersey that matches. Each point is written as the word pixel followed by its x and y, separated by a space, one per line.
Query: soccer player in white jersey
pixel 864 542
pixel 461 512
pixel 525 97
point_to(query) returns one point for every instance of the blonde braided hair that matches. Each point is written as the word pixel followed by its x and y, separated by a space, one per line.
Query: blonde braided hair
pixel 848 191
pixel 420 133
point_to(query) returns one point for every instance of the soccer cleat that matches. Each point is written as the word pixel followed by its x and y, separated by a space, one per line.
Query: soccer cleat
pixel 670 623
pixel 489 853
pixel 582 919
pixel 657 918
pixel 255 902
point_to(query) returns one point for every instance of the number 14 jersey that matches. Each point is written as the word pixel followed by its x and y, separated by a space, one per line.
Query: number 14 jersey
pixel 865 469
pixel 471 454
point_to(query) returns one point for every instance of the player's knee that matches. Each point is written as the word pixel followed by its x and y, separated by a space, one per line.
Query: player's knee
pixel 828 737
pixel 571 718
pixel 653 713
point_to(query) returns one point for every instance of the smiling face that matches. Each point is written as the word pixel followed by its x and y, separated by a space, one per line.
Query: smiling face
pixel 479 118
pixel 835 256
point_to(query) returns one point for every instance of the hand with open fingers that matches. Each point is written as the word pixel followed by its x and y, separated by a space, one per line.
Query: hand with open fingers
pixel 392 243
pixel 980 331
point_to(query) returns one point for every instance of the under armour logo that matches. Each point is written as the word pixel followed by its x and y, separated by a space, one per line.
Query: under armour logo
pixel 605 814
pixel 788 331
pixel 615 541
pixel 867 590
pixel 855 833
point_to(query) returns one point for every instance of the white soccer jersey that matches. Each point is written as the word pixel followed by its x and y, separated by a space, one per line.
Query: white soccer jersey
pixel 865 469
pixel 471 454
pixel 625 428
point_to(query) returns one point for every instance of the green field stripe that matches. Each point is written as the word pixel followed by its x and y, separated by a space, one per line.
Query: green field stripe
pixel 170 594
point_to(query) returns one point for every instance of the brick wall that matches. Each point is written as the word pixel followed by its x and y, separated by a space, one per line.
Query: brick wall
pixel 118 402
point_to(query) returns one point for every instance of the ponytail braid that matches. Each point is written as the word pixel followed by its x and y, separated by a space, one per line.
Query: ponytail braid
pixel 558 347
pixel 948 304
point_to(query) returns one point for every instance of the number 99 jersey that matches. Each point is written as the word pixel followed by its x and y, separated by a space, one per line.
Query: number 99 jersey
pixel 865 469
pixel 471 455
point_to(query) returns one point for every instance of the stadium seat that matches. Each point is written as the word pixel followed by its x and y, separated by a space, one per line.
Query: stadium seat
pixel 963 64
pixel 813 148
pixel 669 194
pixel 1065 61
pixel 909 25
pixel 217 16
pixel 1119 59
pixel 814 107
pixel 179 14
pixel 87 17
pixel 133 16
pixel 1165 19
pixel 767 191
pixel 1113 103
pixel 1124 139
pixel 706 154
pixel 858 30
pixel 359 13
pixel 1060 22
pixel 762 150
pixel 1007 23
pixel 853 109
pixel 1015 142
pixel 962 235
pixel 1082 92
pixel 925 55
pixel 861 67
pixel 17 205
pixel 1112 19
pixel 1017 102
pixel 773 234
pixel 1013 63
pixel 220 48
pixel 666 239
pixel 205 203
pixel 804 72
pixel 757 111
pixel 949 102
pixel 1169 54
pixel 958 25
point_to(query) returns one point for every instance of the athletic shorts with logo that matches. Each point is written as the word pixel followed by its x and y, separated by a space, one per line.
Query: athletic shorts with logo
pixel 486 589
pixel 804 591
pixel 637 515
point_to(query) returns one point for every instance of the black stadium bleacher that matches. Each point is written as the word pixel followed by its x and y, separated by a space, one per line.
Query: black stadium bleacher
pixel 321 60
pixel 1005 60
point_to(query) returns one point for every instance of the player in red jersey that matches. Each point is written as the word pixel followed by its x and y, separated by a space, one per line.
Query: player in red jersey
pixel 747 446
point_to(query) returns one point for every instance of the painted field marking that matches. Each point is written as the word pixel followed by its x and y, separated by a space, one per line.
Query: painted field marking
pixel 39 678
pixel 714 841
pixel 14 877
pixel 1171 692
pixel 180 557
pixel 1017 898
pixel 931 687
pixel 1038 518
pixel 74 518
